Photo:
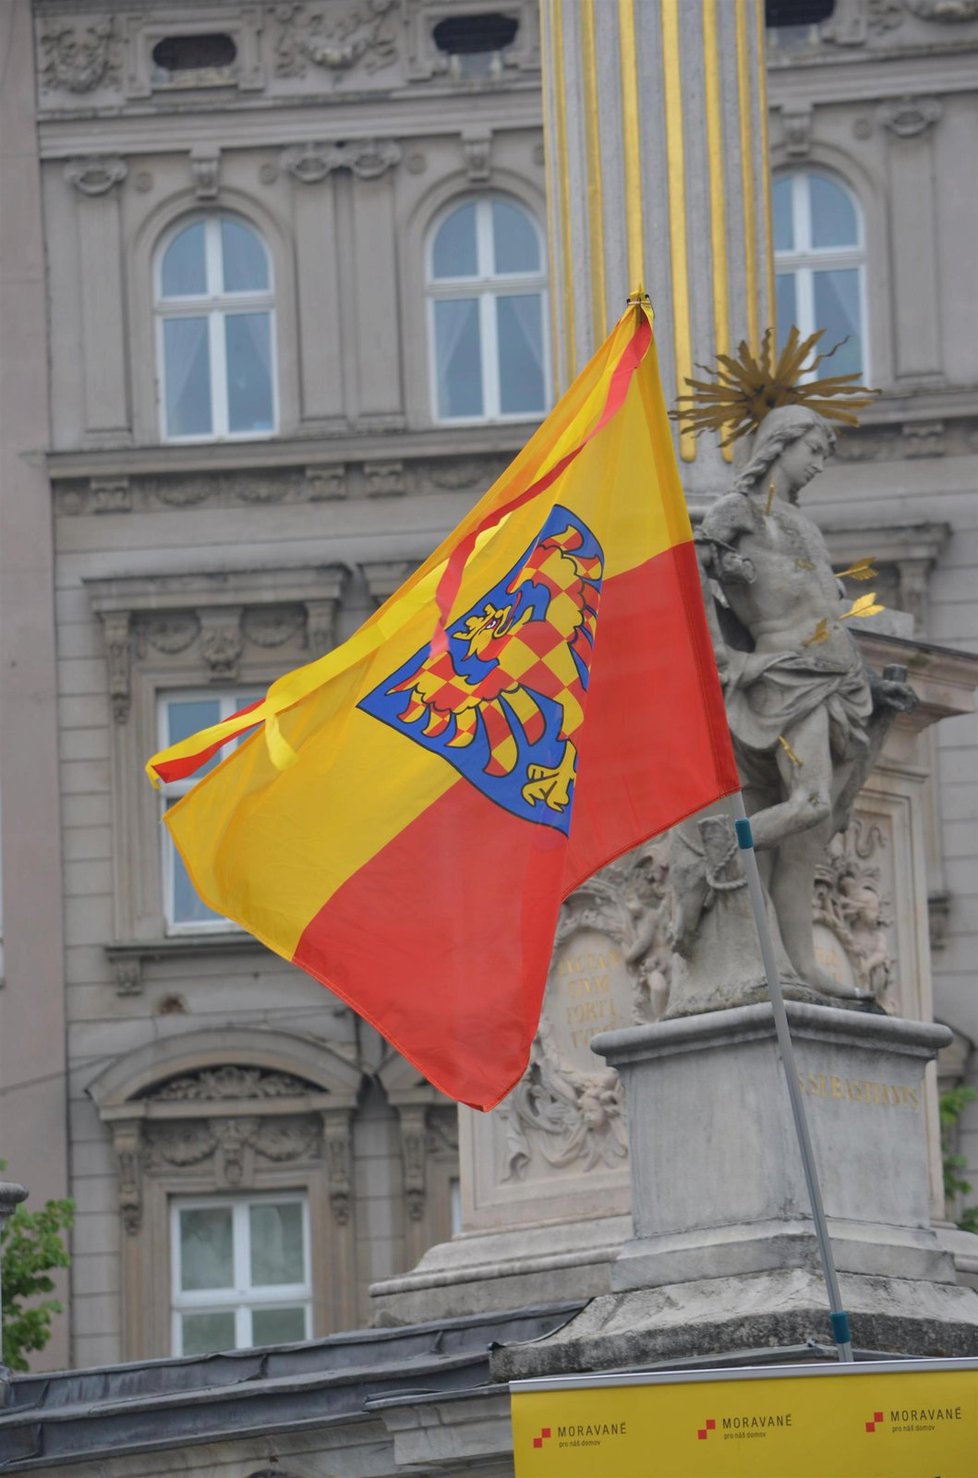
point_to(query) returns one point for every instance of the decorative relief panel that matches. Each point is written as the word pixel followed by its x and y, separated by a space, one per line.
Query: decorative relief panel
pixel 339 39
pixel 368 159
pixel 76 57
pixel 96 174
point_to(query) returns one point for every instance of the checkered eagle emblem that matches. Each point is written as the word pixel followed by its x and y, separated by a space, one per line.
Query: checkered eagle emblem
pixel 503 703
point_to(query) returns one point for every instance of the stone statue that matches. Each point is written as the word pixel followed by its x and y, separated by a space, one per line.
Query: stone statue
pixel 806 714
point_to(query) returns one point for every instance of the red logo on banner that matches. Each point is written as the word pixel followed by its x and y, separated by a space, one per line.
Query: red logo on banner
pixel 877 1418
pixel 544 1434
pixel 708 1427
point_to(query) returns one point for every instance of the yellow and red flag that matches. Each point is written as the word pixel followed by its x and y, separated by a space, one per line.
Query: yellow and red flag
pixel 538 698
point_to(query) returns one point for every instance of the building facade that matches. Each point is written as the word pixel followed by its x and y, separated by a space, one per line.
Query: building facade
pixel 275 313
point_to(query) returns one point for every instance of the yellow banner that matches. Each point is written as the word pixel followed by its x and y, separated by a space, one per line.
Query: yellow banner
pixel 913 1420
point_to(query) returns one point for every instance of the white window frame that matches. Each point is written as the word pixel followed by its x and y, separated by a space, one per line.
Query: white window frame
pixel 244 1298
pixel 804 259
pixel 486 286
pixel 229 702
pixel 216 307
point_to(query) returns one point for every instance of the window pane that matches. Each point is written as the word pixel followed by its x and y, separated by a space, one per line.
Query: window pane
pixel 245 263
pixel 837 311
pixel 277 1326
pixel 787 307
pixel 833 216
pixel 514 239
pixel 519 323
pixel 458 362
pixel 184 268
pixel 784 227
pixel 249 359
pixel 187 371
pixel 276 1244
pixel 205 1248
pixel 204 1333
pixel 454 253
pixel 184 716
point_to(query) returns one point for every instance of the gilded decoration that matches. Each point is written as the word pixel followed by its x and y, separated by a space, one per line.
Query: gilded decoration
pixel 340 38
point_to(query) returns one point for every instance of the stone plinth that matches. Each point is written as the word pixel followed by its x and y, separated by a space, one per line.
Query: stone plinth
pixel 723 1255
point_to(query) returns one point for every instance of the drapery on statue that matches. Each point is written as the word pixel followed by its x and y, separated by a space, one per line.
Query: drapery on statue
pixel 806 714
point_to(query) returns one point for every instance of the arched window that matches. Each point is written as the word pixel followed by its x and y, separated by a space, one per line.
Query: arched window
pixel 214 304
pixel 820 261
pixel 487 307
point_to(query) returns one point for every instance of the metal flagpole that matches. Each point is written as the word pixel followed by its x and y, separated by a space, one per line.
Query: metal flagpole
pixel 838 1316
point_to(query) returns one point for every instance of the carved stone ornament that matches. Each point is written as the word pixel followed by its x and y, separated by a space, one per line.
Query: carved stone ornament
pixel 96 174
pixel 796 120
pixel 205 167
pixel 325 484
pixel 414 1146
pixel 850 904
pixel 909 116
pixel 336 1145
pixel 272 626
pixel 118 655
pixel 221 647
pixel 234 1140
pixel 110 495
pixel 948 11
pixel 339 37
pixel 231 1081
pixel 884 15
pixel 368 158
pixel 571 1117
pixel 129 1156
pixel 77 57
pixel 384 479
pixel 923 439
pixel 308 163
pixel 321 626
pixel 477 148
pixel 168 634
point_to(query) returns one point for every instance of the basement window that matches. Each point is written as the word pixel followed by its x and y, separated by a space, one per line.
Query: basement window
pixel 474 44
pixel 779 13
pixel 203 60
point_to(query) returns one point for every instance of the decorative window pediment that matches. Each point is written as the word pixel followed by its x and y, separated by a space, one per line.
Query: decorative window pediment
pixel 239 1112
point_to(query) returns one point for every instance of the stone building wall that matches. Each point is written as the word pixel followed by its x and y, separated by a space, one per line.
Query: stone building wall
pixel 339 132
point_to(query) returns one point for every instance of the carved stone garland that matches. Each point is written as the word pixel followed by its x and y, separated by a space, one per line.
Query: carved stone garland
pixel 235 1140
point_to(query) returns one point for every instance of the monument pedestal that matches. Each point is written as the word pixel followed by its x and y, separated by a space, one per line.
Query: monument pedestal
pixel 724 1255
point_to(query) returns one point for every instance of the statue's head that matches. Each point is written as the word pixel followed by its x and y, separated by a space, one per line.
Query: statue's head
pixel 798 438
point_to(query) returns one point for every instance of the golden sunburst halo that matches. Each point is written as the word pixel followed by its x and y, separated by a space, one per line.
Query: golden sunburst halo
pixel 745 389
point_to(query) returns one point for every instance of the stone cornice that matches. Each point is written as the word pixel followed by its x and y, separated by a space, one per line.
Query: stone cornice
pixel 268 122
pixel 212 458
pixel 833 77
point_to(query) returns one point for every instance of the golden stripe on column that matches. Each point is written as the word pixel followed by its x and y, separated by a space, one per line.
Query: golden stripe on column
pixel 747 173
pixel 595 194
pixel 631 146
pixel 676 170
pixel 772 300
pixel 718 194
pixel 553 195
pixel 563 179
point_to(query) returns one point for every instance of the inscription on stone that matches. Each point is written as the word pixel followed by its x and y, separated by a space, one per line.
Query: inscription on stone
pixel 859 1090
pixel 590 992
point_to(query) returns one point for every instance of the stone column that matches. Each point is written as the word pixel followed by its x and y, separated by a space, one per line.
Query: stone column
pixel 11 1196
pixel 657 175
